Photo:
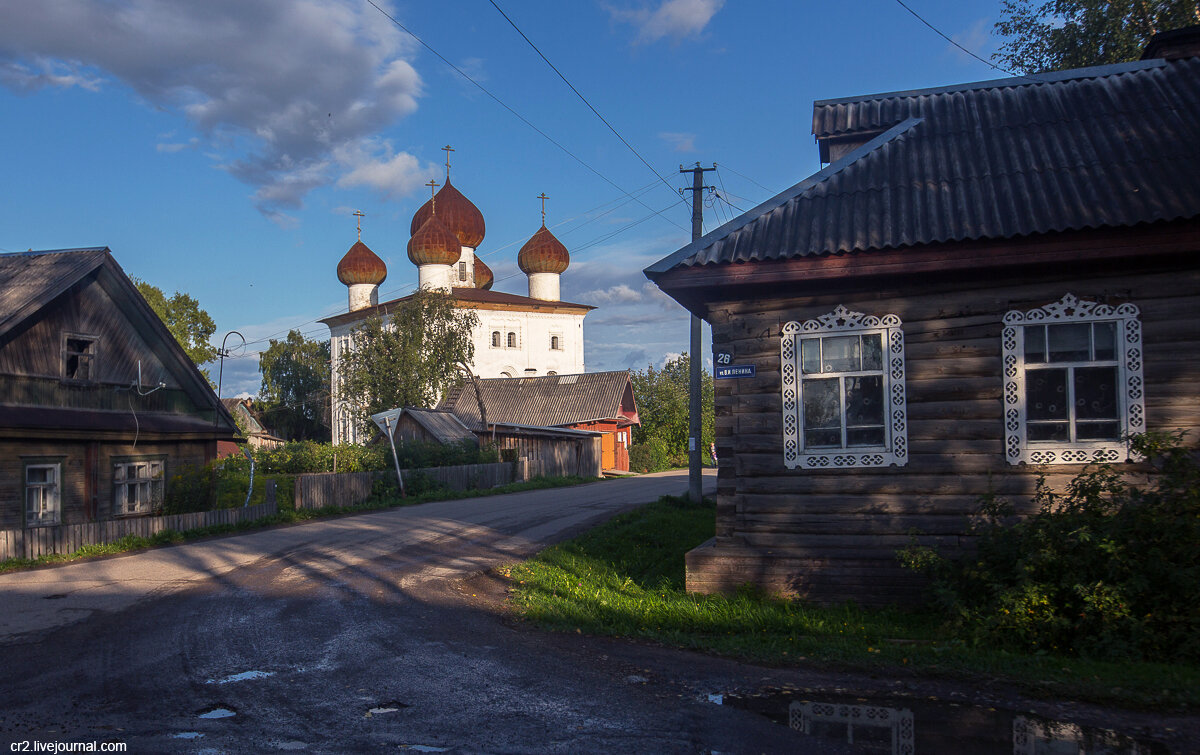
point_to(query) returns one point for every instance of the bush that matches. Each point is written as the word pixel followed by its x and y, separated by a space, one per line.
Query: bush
pixel 1106 570
pixel 651 456
pixel 309 456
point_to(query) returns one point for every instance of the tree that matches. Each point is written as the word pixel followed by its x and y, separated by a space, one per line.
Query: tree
pixel 294 394
pixel 409 359
pixel 1050 35
pixel 191 325
pixel 662 397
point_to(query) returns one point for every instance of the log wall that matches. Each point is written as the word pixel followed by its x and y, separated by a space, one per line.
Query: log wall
pixel 831 534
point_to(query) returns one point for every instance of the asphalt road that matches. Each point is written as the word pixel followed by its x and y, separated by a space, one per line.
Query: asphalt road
pixel 357 634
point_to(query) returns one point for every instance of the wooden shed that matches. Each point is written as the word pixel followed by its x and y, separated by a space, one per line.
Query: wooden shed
pixel 989 282
pixel 99 405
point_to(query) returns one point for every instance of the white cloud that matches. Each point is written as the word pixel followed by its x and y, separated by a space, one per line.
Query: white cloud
pixel 373 164
pixel 672 18
pixel 977 38
pixel 680 142
pixel 274 88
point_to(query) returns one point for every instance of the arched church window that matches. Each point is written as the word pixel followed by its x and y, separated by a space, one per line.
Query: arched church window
pixel 462 271
pixel 495 339
pixel 555 343
pixel 512 340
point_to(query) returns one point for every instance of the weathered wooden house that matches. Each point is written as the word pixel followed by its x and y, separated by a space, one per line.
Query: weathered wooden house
pixel 430 426
pixel 98 403
pixel 250 423
pixel 988 282
pixel 602 402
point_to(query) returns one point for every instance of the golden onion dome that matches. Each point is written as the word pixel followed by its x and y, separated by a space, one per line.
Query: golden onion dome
pixel 434 243
pixel 361 265
pixel 458 213
pixel 484 278
pixel 543 254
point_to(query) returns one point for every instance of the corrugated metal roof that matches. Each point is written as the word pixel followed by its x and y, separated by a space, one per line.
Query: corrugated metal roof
pixel 441 424
pixel 1103 147
pixel 548 401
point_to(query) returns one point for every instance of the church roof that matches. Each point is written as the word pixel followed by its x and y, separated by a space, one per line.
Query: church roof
pixel 361 265
pixel 543 253
pixel 468 298
pixel 459 214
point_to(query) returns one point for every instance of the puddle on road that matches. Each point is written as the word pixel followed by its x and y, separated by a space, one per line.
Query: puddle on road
pixel 216 711
pixel 899 725
pixel 392 706
pixel 243 676
pixel 187 735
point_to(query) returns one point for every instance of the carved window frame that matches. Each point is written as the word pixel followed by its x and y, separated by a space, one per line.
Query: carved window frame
pixel 894 451
pixel 1130 393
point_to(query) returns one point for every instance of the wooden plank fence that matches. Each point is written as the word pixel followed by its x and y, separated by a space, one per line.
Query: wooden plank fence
pixel 316 491
pixel 67 538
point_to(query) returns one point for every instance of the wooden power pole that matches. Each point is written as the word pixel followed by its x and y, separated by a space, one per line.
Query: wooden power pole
pixel 695 484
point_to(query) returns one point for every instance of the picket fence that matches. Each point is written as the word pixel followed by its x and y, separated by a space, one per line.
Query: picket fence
pixel 67 538
pixel 316 491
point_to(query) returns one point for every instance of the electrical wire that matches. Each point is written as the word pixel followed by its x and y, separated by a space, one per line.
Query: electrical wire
pixel 582 98
pixel 951 41
pixel 500 102
pixel 743 175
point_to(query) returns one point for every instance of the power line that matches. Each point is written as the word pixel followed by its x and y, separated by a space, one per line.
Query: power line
pixel 951 41
pixel 501 102
pixel 743 175
pixel 581 97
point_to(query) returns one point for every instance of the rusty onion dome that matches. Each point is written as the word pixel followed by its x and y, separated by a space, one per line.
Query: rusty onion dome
pixel 434 244
pixel 543 254
pixel 484 278
pixel 458 213
pixel 361 265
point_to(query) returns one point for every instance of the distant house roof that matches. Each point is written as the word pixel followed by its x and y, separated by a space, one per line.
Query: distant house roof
pixel 1111 146
pixel 474 298
pixel 442 425
pixel 547 401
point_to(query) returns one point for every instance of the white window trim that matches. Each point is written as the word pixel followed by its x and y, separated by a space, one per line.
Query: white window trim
pixel 841 320
pixel 53 489
pixel 1132 413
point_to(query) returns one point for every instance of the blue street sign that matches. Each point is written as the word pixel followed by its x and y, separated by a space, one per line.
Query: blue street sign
pixel 723 372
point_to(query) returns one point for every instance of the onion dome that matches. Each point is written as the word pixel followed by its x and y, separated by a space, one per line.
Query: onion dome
pixel 543 254
pixel 361 265
pixel 458 213
pixel 434 244
pixel 484 278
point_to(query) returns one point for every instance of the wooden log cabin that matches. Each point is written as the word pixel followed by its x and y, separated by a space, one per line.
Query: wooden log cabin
pixel 99 405
pixel 988 282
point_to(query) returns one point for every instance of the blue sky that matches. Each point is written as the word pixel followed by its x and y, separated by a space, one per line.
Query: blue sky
pixel 219 147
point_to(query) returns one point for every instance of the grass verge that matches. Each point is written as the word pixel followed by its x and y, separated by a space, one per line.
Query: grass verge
pixel 168 537
pixel 625 579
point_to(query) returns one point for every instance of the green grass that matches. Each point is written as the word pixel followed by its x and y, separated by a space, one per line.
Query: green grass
pixel 167 537
pixel 625 579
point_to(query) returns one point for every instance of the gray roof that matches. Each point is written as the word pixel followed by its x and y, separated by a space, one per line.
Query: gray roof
pixel 29 280
pixel 1109 146
pixel 441 425
pixel 546 401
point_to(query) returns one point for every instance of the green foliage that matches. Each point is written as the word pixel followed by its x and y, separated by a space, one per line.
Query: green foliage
pixel 295 387
pixel 651 456
pixel 410 359
pixel 309 456
pixel 1050 35
pixel 662 398
pixel 1106 570
pixel 191 325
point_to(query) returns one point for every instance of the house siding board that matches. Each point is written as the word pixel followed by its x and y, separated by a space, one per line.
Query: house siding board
pixel 808 532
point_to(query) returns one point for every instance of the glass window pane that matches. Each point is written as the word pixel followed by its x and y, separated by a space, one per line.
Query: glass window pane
pixel 1069 343
pixel 822 438
pixel 1035 344
pixel 1048 431
pixel 1046 394
pixel 38 474
pixel 821 406
pixel 864 400
pixel 1104 340
pixel 1096 392
pixel 864 436
pixel 810 355
pixel 872 352
pixel 1098 431
pixel 842 354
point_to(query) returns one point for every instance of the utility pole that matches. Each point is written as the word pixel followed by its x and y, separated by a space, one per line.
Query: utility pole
pixel 695 485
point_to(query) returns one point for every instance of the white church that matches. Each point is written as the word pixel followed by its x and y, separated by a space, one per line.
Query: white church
pixel 517 336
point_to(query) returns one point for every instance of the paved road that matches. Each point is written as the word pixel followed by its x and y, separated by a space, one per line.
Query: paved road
pixel 348 635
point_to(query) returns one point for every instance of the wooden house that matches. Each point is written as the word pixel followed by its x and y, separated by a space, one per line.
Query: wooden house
pixel 596 401
pixel 98 402
pixel 989 282
pixel 250 423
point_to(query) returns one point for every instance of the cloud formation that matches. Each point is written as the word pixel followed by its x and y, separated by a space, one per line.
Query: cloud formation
pixel 680 142
pixel 291 95
pixel 672 18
